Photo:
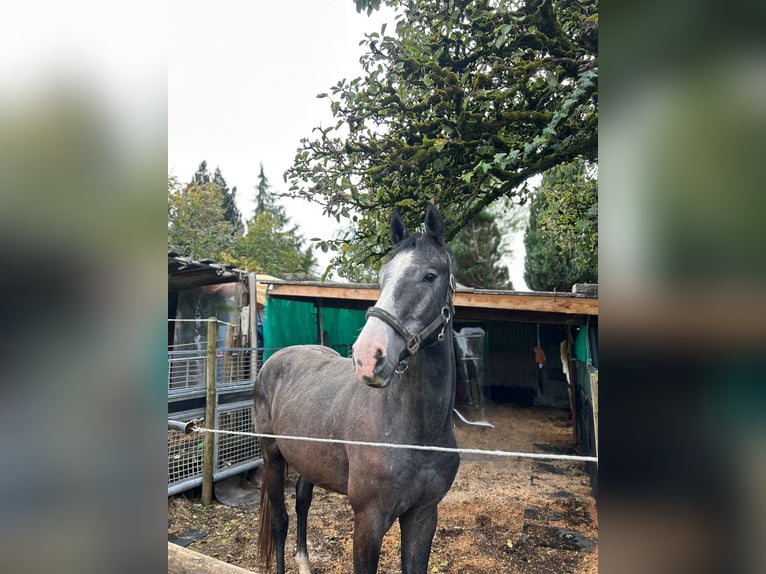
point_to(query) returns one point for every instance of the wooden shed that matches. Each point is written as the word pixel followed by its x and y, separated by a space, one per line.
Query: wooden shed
pixel 541 348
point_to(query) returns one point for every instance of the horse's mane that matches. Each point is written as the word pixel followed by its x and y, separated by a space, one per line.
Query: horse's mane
pixel 411 241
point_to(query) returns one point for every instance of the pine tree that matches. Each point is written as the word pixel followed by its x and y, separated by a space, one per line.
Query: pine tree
pixel 228 196
pixel 271 245
pixel 230 211
pixel 264 199
pixel 477 250
pixel 202 175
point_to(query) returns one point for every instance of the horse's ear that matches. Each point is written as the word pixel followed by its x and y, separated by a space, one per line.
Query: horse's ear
pixel 398 231
pixel 434 223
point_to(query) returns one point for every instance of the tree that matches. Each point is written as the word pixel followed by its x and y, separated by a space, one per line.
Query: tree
pixel 264 198
pixel 268 248
pixel 353 273
pixel 230 210
pixel 461 105
pixel 271 245
pixel 197 226
pixel 562 235
pixel 477 250
pixel 228 202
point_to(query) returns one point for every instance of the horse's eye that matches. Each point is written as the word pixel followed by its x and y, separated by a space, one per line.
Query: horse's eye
pixel 429 277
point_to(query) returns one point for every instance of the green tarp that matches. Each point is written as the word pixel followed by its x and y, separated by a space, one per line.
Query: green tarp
pixel 295 323
pixel 582 348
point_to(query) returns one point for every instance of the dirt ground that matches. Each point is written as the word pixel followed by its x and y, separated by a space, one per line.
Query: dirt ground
pixel 502 515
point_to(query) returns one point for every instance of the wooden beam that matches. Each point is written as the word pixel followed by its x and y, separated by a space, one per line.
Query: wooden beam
pixel 184 561
pixel 564 304
pixel 325 291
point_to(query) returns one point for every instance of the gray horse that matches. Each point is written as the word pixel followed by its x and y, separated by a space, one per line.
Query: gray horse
pixel 398 387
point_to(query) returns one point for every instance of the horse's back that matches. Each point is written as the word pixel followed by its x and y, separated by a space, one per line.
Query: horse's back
pixel 299 392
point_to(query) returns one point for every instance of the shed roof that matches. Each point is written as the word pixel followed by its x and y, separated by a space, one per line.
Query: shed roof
pixel 186 273
pixel 470 304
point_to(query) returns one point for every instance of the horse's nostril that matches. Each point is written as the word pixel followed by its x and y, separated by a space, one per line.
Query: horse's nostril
pixel 378 355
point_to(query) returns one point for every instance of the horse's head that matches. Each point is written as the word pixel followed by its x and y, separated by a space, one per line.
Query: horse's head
pixel 415 304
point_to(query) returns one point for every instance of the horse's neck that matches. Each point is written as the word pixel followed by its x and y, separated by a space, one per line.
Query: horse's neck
pixel 428 388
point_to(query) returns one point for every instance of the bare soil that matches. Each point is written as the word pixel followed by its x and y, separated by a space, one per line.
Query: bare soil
pixel 502 515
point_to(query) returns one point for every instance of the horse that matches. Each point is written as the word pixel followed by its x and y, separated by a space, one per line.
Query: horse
pixel 397 387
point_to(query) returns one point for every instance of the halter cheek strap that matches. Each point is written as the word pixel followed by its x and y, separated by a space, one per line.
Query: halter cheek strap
pixel 414 341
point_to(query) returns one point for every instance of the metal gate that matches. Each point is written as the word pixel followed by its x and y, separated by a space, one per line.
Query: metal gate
pixel 187 385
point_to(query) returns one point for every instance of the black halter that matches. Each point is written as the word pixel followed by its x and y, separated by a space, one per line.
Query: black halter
pixel 414 341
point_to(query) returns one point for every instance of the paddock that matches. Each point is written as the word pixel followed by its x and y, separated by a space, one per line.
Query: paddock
pixel 507 515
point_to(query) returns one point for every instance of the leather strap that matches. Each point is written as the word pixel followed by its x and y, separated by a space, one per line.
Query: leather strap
pixel 415 341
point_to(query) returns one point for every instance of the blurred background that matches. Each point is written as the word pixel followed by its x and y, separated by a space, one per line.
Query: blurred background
pixel 682 274
pixel 82 226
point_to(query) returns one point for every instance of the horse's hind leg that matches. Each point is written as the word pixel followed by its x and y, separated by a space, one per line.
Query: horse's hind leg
pixel 303 492
pixel 273 495
pixel 418 526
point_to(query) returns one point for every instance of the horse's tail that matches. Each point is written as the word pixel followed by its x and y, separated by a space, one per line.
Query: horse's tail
pixel 266 547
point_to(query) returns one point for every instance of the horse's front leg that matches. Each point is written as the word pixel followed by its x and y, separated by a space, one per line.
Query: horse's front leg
pixel 370 526
pixel 418 526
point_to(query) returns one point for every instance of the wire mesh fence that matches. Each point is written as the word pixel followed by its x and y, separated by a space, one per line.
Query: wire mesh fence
pixel 185 453
pixel 187 387
pixel 233 366
pixel 235 450
pixel 186 372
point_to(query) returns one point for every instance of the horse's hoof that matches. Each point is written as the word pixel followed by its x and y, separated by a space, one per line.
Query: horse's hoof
pixel 303 564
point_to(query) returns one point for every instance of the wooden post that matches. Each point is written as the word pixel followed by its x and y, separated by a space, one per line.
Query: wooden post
pixel 230 372
pixel 593 376
pixel 320 324
pixel 253 335
pixel 565 350
pixel 185 561
pixel 207 461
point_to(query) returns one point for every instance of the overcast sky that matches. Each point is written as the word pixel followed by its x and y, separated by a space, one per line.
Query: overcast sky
pixel 243 76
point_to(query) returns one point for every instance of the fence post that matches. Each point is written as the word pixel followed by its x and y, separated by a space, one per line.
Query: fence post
pixel 253 339
pixel 207 461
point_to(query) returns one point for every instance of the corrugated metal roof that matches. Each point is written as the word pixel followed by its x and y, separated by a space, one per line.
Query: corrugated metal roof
pixel 186 273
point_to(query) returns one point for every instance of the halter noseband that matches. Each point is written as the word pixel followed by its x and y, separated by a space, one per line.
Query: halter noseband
pixel 414 341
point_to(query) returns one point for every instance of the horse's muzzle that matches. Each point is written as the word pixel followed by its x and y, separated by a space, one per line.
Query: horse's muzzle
pixel 371 354
pixel 377 375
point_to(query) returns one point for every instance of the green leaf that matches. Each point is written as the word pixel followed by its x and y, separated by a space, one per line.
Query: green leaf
pixel 483 166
